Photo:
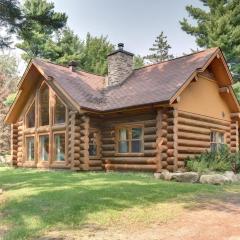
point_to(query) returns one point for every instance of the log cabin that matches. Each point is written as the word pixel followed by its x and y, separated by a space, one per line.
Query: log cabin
pixel 147 119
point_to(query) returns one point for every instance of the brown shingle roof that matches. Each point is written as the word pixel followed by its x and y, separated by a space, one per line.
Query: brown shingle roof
pixel 151 84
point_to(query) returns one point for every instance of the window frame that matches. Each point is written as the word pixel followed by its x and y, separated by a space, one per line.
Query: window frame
pixel 26 114
pixel 97 156
pixel 54 147
pixel 129 128
pixel 26 149
pixel 39 147
pixel 55 96
pixel 217 143
pixel 44 84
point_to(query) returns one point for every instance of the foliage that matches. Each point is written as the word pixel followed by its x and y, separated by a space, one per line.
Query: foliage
pixel 217 25
pixel 33 23
pixel 94 54
pixel 236 88
pixel 159 50
pixel 9 100
pixel 8 82
pixel 220 161
pixel 138 62
pixel 10 18
pixel 37 31
pixel 37 201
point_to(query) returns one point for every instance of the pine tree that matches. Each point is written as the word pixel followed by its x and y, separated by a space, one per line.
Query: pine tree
pixel 8 83
pixel 34 20
pixel 217 25
pixel 160 50
pixel 37 31
pixel 10 20
pixel 94 54
pixel 138 62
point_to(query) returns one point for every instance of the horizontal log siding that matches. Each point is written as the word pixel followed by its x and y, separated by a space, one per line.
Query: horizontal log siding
pixel 194 134
pixel 84 142
pixel 139 162
pixel 96 164
pixel 19 143
pixel 234 136
pixel 14 144
pixel 74 140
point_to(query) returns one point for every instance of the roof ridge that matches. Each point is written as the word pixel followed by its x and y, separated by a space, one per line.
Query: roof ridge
pixel 61 65
pixel 169 60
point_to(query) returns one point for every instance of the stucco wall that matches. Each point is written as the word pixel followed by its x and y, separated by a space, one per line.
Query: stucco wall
pixel 202 97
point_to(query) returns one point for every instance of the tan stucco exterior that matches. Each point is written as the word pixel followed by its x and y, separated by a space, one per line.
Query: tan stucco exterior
pixel 203 97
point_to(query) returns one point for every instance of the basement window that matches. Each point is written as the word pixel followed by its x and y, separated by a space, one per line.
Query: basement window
pixel 216 140
pixel 130 139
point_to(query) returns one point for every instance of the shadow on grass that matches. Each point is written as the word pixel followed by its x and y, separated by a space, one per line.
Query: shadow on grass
pixel 39 200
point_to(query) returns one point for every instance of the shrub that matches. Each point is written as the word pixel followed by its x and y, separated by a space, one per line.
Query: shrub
pixel 220 161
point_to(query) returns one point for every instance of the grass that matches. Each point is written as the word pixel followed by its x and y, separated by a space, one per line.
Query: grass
pixel 35 202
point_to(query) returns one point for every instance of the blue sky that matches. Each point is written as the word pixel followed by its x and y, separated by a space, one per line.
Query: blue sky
pixel 133 22
pixel 136 23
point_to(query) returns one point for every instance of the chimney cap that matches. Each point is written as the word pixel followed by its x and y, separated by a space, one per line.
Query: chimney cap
pixel 120 46
pixel 120 49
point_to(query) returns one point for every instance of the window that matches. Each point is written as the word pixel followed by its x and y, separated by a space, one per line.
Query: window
pixel 59 111
pixel 217 140
pixel 30 148
pixel 130 140
pixel 59 142
pixel 93 148
pixel 30 117
pixel 44 106
pixel 43 147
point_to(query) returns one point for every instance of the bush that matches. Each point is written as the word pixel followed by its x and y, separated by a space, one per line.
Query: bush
pixel 220 161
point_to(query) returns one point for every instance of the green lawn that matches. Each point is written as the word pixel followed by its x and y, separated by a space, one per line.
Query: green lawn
pixel 35 202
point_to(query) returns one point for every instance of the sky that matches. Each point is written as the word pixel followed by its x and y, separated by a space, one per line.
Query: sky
pixel 136 23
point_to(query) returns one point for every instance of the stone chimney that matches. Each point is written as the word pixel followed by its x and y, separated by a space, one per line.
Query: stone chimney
pixel 72 66
pixel 120 66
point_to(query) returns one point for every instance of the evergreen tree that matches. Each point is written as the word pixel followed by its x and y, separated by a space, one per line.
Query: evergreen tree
pixel 217 25
pixel 10 20
pixel 138 62
pixel 8 83
pixel 94 54
pixel 34 20
pixel 160 50
pixel 37 31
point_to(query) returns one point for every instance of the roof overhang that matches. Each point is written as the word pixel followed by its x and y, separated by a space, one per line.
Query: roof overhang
pixel 222 73
pixel 30 79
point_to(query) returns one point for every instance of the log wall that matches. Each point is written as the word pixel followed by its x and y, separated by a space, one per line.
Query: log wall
pixel 193 133
pixel 145 161
pixel 14 144
pixel 95 162
pixel 20 140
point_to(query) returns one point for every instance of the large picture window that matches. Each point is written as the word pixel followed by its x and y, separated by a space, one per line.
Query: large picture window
pixel 30 116
pixel 30 148
pixel 217 140
pixel 59 142
pixel 59 111
pixel 129 139
pixel 44 106
pixel 44 147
